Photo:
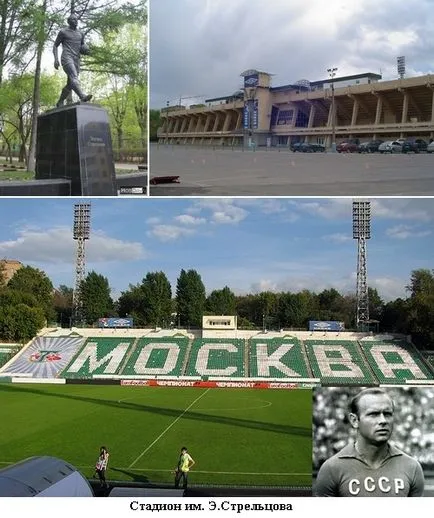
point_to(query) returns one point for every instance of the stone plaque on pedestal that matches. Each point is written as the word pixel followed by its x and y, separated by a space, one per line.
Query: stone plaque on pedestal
pixel 74 142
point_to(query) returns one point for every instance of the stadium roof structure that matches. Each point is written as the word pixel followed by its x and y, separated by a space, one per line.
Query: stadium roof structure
pixel 252 71
pixel 295 86
pixel 369 75
pixel 239 94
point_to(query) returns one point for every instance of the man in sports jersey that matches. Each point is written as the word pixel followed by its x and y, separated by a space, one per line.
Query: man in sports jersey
pixel 371 465
pixel 185 462
pixel 73 45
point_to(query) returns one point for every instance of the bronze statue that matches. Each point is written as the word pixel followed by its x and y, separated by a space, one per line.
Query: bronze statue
pixel 73 45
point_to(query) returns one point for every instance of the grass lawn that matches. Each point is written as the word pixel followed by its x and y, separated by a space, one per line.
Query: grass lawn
pixel 15 176
pixel 236 436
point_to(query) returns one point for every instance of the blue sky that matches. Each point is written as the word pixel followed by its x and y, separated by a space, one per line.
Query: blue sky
pixel 250 245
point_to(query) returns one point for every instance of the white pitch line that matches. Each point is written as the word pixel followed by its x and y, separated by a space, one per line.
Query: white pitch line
pixel 228 472
pixel 167 429
pixel 206 472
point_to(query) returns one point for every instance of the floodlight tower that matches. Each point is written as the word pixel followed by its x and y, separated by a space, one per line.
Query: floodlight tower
pixel 81 234
pixel 362 232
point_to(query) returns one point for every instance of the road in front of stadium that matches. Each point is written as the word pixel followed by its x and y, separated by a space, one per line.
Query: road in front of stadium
pixel 233 172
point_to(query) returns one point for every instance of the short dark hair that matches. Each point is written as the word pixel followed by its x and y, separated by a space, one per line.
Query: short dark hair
pixel 184 448
pixel 374 391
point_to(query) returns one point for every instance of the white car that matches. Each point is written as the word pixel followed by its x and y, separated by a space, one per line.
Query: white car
pixel 430 148
pixel 390 146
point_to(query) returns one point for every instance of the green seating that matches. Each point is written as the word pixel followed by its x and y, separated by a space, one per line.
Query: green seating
pixel 395 361
pixel 216 357
pixel 338 362
pixel 99 356
pixel 282 358
pixel 157 356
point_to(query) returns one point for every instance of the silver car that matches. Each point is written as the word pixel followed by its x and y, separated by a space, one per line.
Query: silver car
pixel 390 146
pixel 430 148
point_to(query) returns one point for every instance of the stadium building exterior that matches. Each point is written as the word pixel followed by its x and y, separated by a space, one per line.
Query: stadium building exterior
pixel 365 108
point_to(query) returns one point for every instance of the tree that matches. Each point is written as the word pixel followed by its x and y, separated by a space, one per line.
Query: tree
pixel 2 275
pixel 376 305
pixel 421 306
pixel 157 299
pixel 154 124
pixel 95 294
pixel 131 304
pixel 395 316
pixel 20 323
pixel 21 316
pixel 221 302
pixel 62 301
pixel 31 281
pixel 13 39
pixel 190 298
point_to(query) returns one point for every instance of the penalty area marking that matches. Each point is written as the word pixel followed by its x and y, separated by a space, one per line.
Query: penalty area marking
pixel 167 429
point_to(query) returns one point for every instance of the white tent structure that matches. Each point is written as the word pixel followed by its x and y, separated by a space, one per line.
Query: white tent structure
pixel 43 476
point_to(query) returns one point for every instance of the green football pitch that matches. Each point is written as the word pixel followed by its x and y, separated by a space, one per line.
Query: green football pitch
pixel 239 437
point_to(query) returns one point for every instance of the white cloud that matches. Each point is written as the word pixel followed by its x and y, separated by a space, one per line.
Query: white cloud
pixel 272 206
pixel 54 246
pixel 264 285
pixel 406 231
pixel 170 232
pixel 335 208
pixel 223 210
pixel 389 288
pixel 187 219
pixel 337 238
pixel 413 210
pixel 153 220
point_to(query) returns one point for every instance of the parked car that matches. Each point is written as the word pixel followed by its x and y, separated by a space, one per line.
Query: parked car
pixel 316 148
pixel 347 147
pixel 296 146
pixel 370 146
pixel 430 147
pixel 390 146
pixel 414 146
pixel 307 147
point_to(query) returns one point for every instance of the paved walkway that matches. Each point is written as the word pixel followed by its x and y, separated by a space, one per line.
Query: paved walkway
pixel 227 172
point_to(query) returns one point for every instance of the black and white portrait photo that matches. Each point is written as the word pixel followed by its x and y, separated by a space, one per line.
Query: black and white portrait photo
pixel 374 442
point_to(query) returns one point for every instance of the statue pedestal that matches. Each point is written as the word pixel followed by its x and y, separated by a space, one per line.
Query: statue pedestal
pixel 74 142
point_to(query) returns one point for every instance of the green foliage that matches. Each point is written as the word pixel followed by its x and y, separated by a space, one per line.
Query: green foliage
pixel 154 124
pixel 421 307
pixel 31 281
pixel 221 302
pixel 149 303
pixel 130 303
pixel 95 294
pixel 2 275
pixel 190 298
pixel 62 301
pixel 21 322
pixel 157 299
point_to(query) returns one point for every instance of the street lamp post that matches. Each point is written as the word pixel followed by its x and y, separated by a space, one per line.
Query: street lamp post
pixel 332 73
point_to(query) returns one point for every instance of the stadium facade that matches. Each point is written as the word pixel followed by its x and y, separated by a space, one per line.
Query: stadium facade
pixel 364 107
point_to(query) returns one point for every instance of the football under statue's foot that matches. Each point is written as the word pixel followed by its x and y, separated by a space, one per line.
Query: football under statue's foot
pixel 86 98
